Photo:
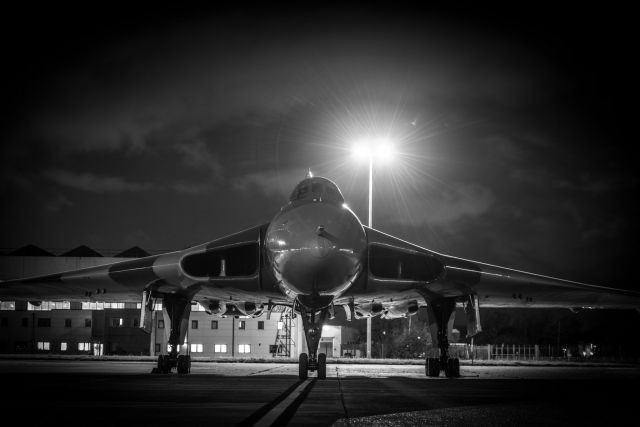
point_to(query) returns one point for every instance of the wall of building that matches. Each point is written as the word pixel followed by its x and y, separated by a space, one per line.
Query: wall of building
pixel 115 331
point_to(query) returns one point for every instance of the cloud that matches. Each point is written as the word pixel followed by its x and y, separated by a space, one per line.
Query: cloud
pixel 58 204
pixel 94 184
pixel 193 188
pixel 196 155
pixel 456 202
pixel 279 183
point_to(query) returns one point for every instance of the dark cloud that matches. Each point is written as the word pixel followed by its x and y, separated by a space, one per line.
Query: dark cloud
pixel 95 184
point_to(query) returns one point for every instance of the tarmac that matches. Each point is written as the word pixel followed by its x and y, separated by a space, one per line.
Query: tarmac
pixel 124 392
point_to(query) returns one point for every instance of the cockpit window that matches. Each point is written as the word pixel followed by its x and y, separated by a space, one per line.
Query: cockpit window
pixel 318 189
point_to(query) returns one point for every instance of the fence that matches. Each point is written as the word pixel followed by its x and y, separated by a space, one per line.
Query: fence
pixel 518 352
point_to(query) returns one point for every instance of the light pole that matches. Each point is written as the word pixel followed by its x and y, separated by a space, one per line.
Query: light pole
pixel 383 151
pixel 370 226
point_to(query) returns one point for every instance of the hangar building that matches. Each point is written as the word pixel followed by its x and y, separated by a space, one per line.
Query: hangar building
pixel 108 328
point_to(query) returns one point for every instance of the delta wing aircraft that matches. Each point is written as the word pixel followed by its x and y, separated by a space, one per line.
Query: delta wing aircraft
pixel 315 256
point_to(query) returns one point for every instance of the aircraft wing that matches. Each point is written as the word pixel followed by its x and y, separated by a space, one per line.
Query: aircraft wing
pixel 398 269
pixel 231 266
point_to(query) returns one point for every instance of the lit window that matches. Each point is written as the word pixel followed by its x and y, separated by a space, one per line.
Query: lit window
pixel 214 324
pixel 84 346
pixel 244 348
pixel 116 305
pixel 44 345
pixel 196 348
pixel 242 324
pixel 43 306
pixel 196 306
pixel 63 346
pixel 260 324
pixel 8 305
pixel 93 306
pixel 60 305
pixel 157 306
pixel 194 324
pixel 220 348
pixel 280 325
pixel 117 322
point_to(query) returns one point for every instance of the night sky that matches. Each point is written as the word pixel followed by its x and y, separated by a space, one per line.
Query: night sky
pixel 166 128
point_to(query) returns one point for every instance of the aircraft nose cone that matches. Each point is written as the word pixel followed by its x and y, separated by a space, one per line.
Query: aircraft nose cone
pixel 316 249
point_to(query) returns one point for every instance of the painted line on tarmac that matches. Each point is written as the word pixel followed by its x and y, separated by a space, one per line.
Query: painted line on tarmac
pixel 284 410
pixel 265 370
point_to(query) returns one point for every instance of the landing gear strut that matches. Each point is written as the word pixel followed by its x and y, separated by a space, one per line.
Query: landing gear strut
pixel 441 313
pixel 312 322
pixel 176 312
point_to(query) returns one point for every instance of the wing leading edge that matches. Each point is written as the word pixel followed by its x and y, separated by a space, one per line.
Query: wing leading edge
pixel 229 267
pixel 397 266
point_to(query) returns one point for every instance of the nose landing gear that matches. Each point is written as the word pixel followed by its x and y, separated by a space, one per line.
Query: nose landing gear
pixel 312 322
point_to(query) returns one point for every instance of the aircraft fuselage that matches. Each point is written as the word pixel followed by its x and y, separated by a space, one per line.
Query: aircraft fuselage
pixel 316 247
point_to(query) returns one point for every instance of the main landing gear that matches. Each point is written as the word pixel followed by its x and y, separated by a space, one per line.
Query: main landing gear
pixel 312 322
pixel 166 362
pixel 176 312
pixel 441 313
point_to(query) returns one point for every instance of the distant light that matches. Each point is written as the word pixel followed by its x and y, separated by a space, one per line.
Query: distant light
pixel 379 148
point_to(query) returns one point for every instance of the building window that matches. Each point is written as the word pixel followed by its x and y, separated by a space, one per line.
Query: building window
pixel 63 346
pixel 196 348
pixel 135 322
pixel 214 324
pixel 260 324
pixel 158 345
pixel 244 348
pixel 84 346
pixel 194 324
pixel 157 306
pixel 7 305
pixel 117 322
pixel 87 323
pixel 160 324
pixel 219 348
pixel 93 306
pixel 25 322
pixel 196 306
pixel 4 322
pixel 44 345
pixel 114 305
pixel 44 322
pixel 67 323
pixel 242 324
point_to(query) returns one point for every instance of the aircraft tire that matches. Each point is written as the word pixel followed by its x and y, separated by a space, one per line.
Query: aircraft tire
pixel 182 364
pixel 303 366
pixel 322 366
pixel 164 364
pixel 432 367
pixel 449 369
